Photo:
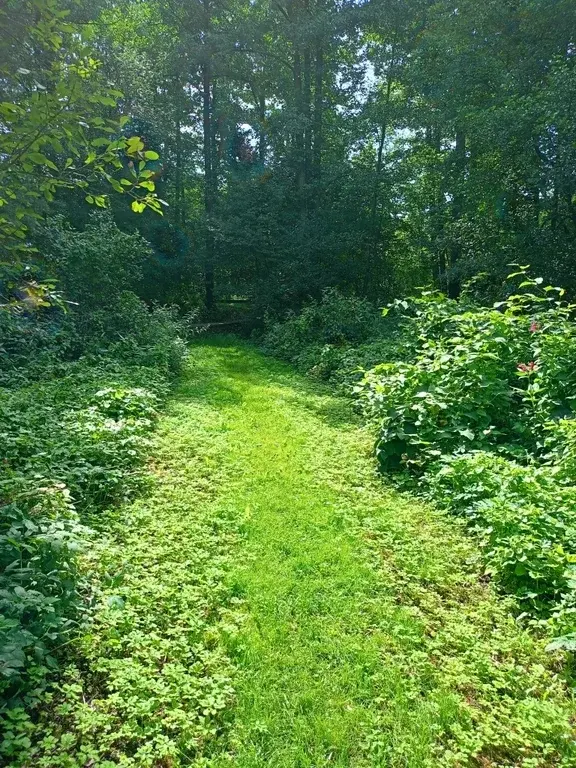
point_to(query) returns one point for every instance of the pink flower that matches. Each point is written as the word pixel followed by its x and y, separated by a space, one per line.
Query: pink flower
pixel 534 326
pixel 527 367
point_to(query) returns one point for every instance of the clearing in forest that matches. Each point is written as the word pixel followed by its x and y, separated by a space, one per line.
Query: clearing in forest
pixel 271 603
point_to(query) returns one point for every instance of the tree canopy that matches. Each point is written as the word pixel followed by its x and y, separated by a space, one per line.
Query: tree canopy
pixel 370 146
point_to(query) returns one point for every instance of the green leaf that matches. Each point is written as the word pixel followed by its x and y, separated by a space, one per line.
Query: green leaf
pixel 116 185
pixel 39 159
pixel 134 145
pixel 102 141
pixel 564 643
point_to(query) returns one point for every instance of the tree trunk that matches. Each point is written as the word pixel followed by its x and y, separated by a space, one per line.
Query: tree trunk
pixel 262 137
pixel 299 135
pixel 318 108
pixel 374 218
pixel 453 285
pixel 208 183
pixel 178 174
pixel 306 97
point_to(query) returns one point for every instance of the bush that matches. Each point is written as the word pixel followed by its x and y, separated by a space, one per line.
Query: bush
pixel 151 337
pixel 32 343
pixel 334 320
pixel 94 266
pixel 40 600
pixel 524 520
pixel 97 314
pixel 70 448
pixel 79 394
pixel 333 339
pixel 481 415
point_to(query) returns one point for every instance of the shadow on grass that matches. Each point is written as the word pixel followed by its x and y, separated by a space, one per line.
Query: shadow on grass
pixel 335 411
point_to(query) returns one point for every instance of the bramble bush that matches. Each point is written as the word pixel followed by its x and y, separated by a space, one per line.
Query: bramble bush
pixel 481 416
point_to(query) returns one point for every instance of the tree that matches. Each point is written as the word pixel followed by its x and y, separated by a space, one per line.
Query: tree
pixel 59 127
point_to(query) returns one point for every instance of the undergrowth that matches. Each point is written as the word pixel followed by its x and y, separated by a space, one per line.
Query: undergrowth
pixel 475 409
pixel 146 680
pixel 80 392
pixel 269 603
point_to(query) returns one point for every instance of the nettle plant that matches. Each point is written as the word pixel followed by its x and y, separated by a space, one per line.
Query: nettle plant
pixel 482 416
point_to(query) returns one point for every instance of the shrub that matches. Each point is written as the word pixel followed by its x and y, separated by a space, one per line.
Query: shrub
pixel 98 312
pixel 73 443
pixel 40 600
pixel 523 518
pixel 481 415
pixel 334 320
pixel 94 266
pixel 333 339
pixel 150 337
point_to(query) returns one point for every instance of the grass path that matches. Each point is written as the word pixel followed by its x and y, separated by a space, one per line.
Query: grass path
pixel 281 608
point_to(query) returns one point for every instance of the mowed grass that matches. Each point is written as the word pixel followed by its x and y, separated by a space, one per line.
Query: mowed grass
pixel 370 638
pixel 272 603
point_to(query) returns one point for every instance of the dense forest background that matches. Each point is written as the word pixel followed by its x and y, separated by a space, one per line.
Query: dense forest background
pixel 369 146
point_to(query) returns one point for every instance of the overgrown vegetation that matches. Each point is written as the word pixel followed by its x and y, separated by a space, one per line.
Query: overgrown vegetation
pixel 269 603
pixel 333 338
pixel 476 405
pixel 79 396
pixel 143 678
pixel 296 165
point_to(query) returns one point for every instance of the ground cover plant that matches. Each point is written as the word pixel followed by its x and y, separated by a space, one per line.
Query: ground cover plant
pixel 199 564
pixel 482 414
pixel 77 404
pixel 268 602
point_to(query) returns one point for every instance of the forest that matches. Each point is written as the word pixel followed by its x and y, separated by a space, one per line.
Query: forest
pixel 287 383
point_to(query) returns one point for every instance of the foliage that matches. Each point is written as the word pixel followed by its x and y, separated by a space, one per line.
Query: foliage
pixel 335 319
pixel 224 632
pixel 371 147
pixel 58 131
pixel 321 155
pixel 70 449
pixel 39 540
pixel 74 434
pixel 98 268
pixel 524 521
pixel 94 266
pixel 483 416
pixel 332 338
pixel 147 677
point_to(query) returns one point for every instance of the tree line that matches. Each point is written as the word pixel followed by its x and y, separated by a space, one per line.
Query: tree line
pixel 296 145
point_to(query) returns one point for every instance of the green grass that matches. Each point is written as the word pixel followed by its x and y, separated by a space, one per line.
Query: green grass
pixel 271 603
